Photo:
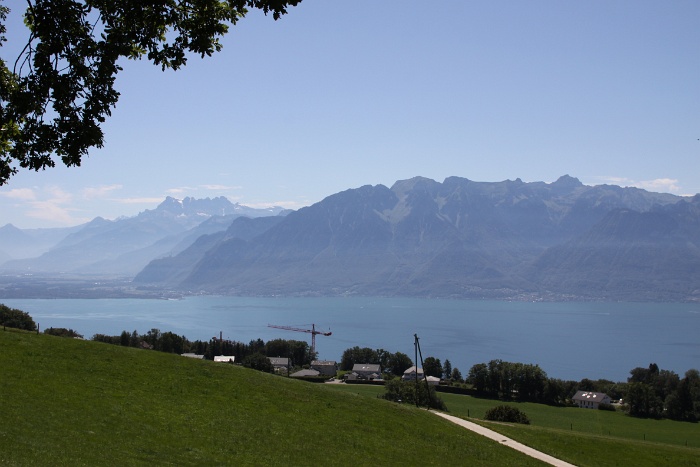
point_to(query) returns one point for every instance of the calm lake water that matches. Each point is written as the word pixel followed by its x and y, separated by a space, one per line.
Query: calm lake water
pixel 568 340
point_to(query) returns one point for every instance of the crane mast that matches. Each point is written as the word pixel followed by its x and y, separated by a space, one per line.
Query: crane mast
pixel 312 331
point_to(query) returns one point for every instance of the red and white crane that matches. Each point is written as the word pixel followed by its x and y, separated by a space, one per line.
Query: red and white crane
pixel 313 332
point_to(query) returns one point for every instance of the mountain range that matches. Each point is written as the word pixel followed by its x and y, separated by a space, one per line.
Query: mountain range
pixel 459 239
pixel 418 238
pixel 122 247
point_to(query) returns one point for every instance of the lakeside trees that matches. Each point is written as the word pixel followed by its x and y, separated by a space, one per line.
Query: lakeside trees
pixel 391 363
pixel 509 380
pixel 649 392
pixel 298 352
pixel 656 393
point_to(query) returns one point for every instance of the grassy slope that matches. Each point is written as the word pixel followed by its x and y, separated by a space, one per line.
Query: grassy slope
pixel 584 437
pixel 71 402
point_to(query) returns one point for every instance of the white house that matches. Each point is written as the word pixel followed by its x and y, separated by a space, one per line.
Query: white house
pixel 279 364
pixel 590 399
pixel 410 374
pixel 433 380
pixel 367 370
pixel 225 358
pixel 192 355
pixel 305 373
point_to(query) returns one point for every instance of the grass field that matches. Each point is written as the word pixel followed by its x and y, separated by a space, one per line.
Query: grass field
pixel 73 402
pixel 582 437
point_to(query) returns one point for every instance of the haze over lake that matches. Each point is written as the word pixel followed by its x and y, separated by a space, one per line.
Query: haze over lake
pixel 569 340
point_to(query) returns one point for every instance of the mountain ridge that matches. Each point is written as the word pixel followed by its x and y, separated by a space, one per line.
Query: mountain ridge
pixel 455 239
pixel 124 246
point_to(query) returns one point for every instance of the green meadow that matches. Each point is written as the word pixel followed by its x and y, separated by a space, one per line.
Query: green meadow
pixel 73 402
pixel 580 436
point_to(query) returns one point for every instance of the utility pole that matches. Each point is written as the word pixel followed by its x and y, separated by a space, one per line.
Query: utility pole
pixel 427 386
pixel 415 346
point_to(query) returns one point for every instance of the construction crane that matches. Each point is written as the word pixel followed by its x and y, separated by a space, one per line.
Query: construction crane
pixel 313 332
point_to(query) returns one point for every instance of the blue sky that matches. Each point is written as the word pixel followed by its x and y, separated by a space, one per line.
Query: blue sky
pixel 337 95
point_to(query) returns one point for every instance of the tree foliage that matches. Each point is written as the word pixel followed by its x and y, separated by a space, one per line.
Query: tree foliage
pixel 409 392
pixel 258 361
pixel 509 380
pixel 170 342
pixel 299 352
pixel 14 318
pixel 391 363
pixel 397 363
pixel 358 355
pixel 432 367
pixel 57 93
pixel 656 393
pixel 447 369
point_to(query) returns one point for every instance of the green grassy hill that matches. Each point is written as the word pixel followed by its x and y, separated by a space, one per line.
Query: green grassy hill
pixel 73 402
pixel 595 438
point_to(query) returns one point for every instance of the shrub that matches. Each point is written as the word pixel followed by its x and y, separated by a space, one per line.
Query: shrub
pixel 609 407
pixel 506 413
pixel 405 391
pixel 62 332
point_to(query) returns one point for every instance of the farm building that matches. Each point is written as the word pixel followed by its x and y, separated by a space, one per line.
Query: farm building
pixel 225 358
pixel 590 399
pixel 325 367
pixel 367 370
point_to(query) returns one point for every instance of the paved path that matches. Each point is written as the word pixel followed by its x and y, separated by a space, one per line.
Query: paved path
pixel 504 440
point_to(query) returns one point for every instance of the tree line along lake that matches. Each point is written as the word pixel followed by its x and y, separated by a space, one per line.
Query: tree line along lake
pixel 568 340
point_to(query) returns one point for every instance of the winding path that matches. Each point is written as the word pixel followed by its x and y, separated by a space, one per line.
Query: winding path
pixel 504 440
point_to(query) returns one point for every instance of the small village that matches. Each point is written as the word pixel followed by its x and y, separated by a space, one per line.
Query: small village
pixel 369 373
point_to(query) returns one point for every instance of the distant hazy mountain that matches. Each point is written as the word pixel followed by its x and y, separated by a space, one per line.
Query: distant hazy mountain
pixel 4 256
pixel 28 243
pixel 126 245
pixel 173 269
pixel 458 238
pixel 654 255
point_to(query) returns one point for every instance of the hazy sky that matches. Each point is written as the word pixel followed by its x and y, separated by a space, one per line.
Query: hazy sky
pixel 337 95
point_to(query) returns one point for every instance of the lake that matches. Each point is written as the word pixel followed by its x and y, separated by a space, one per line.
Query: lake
pixel 568 340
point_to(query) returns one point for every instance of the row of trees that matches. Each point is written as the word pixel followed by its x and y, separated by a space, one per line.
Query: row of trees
pixel 527 382
pixel 512 381
pixel 652 392
pixel 433 367
pixel 391 363
pixel 298 352
pixel 394 364
pixel 253 355
pixel 648 392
